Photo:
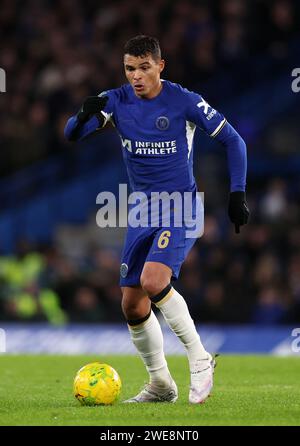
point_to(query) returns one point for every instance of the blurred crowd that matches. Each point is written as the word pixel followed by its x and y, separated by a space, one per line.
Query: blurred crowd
pixel 55 53
pixel 253 277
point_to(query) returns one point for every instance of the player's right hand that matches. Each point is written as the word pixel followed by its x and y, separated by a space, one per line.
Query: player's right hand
pixel 91 106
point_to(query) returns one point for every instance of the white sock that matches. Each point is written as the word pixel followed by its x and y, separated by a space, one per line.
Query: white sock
pixel 176 314
pixel 148 339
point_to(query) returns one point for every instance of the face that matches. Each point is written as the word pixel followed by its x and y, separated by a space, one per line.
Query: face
pixel 143 74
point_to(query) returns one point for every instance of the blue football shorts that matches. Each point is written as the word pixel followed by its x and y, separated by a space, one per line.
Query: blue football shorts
pixel 167 245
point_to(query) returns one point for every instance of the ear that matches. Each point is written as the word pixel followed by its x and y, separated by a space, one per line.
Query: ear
pixel 161 65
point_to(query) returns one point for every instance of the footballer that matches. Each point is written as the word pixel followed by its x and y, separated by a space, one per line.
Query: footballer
pixel 156 120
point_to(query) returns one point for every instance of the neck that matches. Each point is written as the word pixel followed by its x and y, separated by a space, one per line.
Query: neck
pixel 155 92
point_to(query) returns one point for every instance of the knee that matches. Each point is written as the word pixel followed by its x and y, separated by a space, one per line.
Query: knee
pixel 152 284
pixel 135 308
pixel 130 309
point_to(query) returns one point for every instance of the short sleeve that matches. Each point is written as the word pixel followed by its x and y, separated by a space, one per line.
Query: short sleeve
pixel 202 114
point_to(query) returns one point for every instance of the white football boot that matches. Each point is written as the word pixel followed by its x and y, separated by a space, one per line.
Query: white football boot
pixel 201 379
pixel 154 394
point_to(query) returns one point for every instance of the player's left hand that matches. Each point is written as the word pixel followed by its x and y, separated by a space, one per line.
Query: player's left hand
pixel 238 210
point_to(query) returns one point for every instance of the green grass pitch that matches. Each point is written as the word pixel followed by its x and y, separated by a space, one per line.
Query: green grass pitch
pixel 248 390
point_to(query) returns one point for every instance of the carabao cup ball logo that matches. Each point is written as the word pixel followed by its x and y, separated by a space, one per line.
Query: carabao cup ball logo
pixel 162 123
pixel 124 270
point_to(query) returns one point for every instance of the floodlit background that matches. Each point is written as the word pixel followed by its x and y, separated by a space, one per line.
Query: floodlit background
pixel 56 265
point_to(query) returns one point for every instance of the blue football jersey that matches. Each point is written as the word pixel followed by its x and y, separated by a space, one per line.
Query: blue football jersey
pixel 157 135
pixel 157 144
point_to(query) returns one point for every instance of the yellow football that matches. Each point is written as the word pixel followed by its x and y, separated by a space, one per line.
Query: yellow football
pixel 96 384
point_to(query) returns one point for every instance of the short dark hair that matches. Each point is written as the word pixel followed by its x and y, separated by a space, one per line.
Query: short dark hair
pixel 140 46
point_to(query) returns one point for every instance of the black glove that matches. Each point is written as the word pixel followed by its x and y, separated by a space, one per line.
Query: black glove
pixel 238 210
pixel 92 106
